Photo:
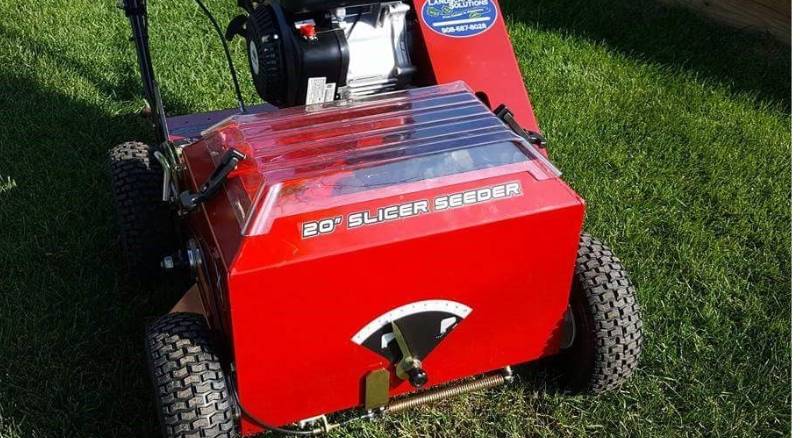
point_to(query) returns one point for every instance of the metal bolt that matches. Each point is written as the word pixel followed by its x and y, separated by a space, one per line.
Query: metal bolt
pixel 167 263
pixel 193 255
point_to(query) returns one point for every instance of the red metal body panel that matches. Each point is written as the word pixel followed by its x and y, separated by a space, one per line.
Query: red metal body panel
pixel 486 62
pixel 511 262
pixel 290 305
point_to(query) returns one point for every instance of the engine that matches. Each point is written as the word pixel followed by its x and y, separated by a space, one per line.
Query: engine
pixel 309 52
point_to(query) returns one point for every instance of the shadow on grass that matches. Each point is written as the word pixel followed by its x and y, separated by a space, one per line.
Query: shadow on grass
pixel 746 62
pixel 70 330
pixel 130 89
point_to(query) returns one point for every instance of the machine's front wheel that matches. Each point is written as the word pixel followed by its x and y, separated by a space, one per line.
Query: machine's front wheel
pixel 602 337
pixel 192 394
pixel 146 228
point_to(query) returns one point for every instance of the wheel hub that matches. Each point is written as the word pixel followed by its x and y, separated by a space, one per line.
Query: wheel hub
pixel 568 329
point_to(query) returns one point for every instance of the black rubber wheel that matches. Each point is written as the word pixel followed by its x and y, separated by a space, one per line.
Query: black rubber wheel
pixel 146 229
pixel 192 395
pixel 606 343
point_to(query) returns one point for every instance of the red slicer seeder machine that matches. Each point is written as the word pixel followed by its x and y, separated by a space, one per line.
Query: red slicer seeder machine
pixel 385 231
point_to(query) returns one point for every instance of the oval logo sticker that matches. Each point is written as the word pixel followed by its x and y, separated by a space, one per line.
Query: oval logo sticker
pixel 459 18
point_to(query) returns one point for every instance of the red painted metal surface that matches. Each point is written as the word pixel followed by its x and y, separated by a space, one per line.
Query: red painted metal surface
pixel 290 304
pixel 511 262
pixel 486 62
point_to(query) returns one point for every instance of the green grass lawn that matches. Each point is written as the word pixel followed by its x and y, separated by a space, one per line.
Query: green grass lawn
pixel 676 132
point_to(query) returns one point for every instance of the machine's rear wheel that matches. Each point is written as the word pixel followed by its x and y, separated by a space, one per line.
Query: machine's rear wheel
pixel 145 224
pixel 602 343
pixel 192 394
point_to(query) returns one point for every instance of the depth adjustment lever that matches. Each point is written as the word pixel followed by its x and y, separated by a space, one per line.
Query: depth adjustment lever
pixel 409 368
pixel 503 113
pixel 231 158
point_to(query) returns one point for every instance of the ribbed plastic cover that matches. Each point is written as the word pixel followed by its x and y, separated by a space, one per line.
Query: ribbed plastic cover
pixel 306 158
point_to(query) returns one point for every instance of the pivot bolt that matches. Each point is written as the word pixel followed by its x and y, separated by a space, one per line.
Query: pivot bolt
pixel 417 377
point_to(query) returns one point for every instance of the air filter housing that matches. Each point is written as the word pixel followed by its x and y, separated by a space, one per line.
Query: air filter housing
pixel 289 69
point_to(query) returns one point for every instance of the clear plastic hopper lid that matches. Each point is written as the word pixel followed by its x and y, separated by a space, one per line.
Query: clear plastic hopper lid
pixel 320 156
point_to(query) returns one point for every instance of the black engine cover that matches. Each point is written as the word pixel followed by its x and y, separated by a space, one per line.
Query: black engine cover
pixel 282 61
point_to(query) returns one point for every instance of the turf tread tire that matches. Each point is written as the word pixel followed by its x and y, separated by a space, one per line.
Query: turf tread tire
pixel 191 390
pixel 145 223
pixel 608 317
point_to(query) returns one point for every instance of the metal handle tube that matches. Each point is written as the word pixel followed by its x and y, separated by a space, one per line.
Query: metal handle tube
pixel 136 10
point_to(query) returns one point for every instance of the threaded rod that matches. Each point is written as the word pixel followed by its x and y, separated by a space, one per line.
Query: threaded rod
pixel 440 394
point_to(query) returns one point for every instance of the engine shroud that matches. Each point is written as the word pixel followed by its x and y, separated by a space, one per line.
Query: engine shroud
pixel 347 52
pixel 419 208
